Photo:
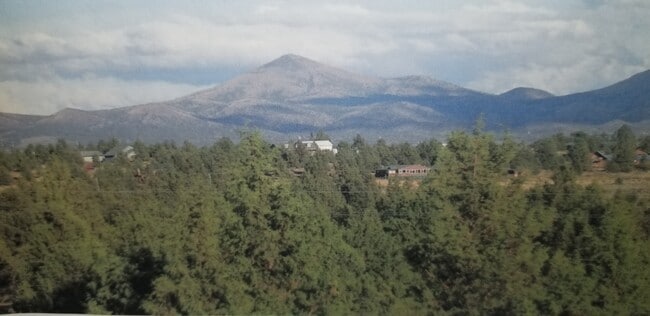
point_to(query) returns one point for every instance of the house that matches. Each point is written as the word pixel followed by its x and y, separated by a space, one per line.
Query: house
pixel 91 155
pixel 127 151
pixel 402 171
pixel 599 160
pixel 315 145
pixel 324 145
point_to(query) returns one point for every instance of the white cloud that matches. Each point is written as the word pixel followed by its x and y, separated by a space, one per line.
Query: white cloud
pixel 559 80
pixel 181 42
pixel 572 52
pixel 498 44
pixel 47 97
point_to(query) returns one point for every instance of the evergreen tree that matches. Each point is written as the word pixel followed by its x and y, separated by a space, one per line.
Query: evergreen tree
pixel 227 229
pixel 623 150
pixel 428 151
pixel 384 153
pixel 405 154
pixel 579 155
pixel 546 151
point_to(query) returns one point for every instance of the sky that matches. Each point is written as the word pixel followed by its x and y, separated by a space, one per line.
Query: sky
pixel 105 54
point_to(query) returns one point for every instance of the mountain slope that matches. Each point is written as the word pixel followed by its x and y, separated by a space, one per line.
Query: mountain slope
pixel 293 95
pixel 10 121
pixel 627 100
pixel 286 79
pixel 296 94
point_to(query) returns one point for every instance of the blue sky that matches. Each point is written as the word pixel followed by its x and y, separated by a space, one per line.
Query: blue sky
pixel 105 54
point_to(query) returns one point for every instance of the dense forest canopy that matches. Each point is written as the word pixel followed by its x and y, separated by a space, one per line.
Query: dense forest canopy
pixel 230 229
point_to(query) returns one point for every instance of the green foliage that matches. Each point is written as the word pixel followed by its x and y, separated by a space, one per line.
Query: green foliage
pixel 5 177
pixel 428 151
pixel 623 150
pixel 479 251
pixel 644 143
pixel 525 158
pixel 546 151
pixel 229 229
pixel 579 154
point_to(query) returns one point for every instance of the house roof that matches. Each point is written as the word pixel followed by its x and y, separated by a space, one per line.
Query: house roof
pixel 404 167
pixel 324 141
pixel 413 167
pixel 320 143
pixel 603 155
pixel 119 149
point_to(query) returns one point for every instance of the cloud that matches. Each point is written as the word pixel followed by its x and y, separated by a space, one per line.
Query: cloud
pixel 566 54
pixel 556 80
pixel 487 45
pixel 47 97
pixel 166 44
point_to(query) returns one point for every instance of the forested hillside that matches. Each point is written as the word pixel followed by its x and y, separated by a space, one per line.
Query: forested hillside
pixel 230 229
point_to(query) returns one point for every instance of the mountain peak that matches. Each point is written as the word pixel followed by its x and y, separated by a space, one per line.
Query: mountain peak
pixel 525 93
pixel 292 57
pixel 288 78
pixel 290 61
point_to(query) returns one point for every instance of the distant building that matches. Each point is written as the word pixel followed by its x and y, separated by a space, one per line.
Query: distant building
pixel 127 151
pixel 91 155
pixel 599 160
pixel 402 171
pixel 315 145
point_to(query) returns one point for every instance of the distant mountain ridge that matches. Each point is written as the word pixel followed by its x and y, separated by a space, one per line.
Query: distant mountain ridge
pixel 526 94
pixel 293 95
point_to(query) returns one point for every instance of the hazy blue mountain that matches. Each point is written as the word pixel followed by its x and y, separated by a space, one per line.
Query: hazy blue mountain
pixel 628 100
pixel 293 96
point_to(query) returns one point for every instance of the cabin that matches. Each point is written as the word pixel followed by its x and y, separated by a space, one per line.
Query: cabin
pixel 599 160
pixel 402 171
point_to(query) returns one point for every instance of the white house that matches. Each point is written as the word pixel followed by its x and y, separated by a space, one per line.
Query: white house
pixel 324 145
pixel 317 145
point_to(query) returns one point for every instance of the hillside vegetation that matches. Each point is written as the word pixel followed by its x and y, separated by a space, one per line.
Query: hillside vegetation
pixel 229 229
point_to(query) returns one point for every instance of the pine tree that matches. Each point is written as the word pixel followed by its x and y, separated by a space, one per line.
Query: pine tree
pixel 623 150
pixel 579 155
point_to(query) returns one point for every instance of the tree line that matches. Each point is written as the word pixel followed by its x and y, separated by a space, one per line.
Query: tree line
pixel 228 229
